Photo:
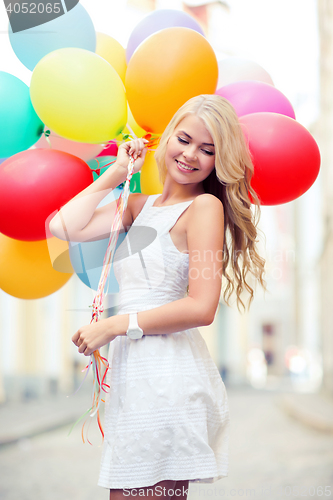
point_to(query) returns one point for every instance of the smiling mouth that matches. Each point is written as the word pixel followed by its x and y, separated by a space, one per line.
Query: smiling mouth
pixel 185 166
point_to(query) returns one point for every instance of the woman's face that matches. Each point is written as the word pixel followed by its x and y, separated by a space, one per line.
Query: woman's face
pixel 190 153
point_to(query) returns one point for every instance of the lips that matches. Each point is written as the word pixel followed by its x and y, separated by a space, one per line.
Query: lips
pixel 182 166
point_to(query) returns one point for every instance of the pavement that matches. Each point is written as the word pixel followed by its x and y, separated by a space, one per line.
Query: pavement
pixel 26 419
pixel 313 410
pixel 272 453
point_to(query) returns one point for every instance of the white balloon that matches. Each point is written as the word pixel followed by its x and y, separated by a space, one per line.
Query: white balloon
pixel 235 69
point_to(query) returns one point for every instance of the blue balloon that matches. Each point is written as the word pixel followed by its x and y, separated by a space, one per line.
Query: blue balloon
pixel 87 261
pixel 87 258
pixel 73 29
pixel 20 127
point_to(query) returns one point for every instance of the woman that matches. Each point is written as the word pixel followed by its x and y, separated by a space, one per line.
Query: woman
pixel 167 416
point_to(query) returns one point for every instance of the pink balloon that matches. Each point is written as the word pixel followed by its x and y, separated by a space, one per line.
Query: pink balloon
pixel 250 96
pixel 79 149
pixel 110 150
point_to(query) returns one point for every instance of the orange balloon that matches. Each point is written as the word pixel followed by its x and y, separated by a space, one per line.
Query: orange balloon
pixel 149 177
pixel 28 268
pixel 165 71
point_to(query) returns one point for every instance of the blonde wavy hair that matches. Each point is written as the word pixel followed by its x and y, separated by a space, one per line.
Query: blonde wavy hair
pixel 230 182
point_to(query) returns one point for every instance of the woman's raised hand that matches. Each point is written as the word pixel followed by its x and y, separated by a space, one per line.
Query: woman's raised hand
pixel 137 149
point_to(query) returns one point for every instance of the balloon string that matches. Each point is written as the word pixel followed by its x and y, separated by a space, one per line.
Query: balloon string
pixel 47 133
pixel 131 131
pixel 98 170
pixel 98 362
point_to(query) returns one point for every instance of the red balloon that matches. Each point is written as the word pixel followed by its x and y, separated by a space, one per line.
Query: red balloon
pixel 110 150
pixel 286 157
pixel 34 184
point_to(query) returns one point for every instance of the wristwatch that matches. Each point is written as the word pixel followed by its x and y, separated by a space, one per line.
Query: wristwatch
pixel 134 332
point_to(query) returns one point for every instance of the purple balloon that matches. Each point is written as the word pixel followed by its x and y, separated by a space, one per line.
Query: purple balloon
pixel 159 20
pixel 251 96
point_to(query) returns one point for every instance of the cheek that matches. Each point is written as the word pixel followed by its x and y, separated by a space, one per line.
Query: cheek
pixel 170 151
pixel 210 166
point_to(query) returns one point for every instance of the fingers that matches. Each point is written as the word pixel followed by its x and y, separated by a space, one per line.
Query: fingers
pixel 143 154
pixel 79 340
pixel 82 348
pixel 136 147
pixel 76 339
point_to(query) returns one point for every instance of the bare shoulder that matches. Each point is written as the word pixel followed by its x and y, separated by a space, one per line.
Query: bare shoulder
pixel 208 200
pixel 206 205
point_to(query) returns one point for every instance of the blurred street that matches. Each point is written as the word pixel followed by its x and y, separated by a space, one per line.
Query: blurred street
pixel 270 452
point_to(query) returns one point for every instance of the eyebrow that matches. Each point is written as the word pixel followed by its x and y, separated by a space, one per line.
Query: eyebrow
pixel 205 143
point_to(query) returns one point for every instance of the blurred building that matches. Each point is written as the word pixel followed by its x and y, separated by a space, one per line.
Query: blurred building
pixel 324 132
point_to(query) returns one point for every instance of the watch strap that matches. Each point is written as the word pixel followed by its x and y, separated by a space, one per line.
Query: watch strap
pixel 133 321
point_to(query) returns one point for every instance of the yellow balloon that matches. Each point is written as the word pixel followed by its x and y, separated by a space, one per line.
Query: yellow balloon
pixel 111 50
pixel 79 95
pixel 131 126
pixel 149 178
pixel 26 270
pixel 165 71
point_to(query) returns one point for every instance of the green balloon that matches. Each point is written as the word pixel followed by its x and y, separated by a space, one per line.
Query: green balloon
pixel 135 186
pixel 20 126
pixel 103 164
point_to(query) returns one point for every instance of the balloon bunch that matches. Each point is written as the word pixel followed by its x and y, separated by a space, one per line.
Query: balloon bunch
pixel 86 94
pixel 50 133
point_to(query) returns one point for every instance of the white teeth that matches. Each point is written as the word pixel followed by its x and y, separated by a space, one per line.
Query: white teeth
pixel 187 168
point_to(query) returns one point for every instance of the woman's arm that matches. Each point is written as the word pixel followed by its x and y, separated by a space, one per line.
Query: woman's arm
pixel 205 243
pixel 79 220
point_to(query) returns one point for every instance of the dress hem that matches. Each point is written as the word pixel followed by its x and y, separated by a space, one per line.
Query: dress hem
pixel 194 480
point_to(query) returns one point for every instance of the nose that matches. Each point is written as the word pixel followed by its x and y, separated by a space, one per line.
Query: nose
pixel 190 152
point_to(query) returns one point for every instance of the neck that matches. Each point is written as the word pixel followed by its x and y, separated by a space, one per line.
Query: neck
pixel 175 192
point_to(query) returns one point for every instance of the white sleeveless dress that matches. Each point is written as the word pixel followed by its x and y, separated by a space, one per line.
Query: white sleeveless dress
pixel 166 414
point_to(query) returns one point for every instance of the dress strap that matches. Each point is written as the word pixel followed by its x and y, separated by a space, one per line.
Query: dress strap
pixel 175 212
pixel 151 198
pixel 148 203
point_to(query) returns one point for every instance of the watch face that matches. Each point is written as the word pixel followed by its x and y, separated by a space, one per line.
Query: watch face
pixel 135 333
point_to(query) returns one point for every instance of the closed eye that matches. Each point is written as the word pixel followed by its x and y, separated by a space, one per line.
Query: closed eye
pixel 210 153
pixel 182 141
